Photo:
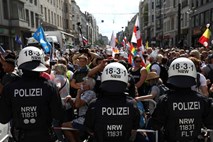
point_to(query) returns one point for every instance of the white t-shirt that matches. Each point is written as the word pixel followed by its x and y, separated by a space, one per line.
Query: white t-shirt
pixel 156 68
pixel 202 83
pixel 60 80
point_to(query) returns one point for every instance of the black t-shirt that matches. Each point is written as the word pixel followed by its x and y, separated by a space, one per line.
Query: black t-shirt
pixel 112 118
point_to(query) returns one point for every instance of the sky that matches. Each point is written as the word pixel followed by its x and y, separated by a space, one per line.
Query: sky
pixel 115 13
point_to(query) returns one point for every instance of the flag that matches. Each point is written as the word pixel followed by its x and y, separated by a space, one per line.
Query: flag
pixel 136 35
pixel 204 39
pixel 40 37
pixel 85 40
pixel 112 40
pixel 132 52
pixel 136 38
pixel 124 43
pixel 18 40
pixel 112 44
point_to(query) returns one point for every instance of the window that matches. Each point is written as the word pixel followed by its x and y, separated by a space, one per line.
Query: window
pixel 48 15
pixel 201 18
pixel 37 20
pixel 35 2
pixel 67 23
pixel 73 27
pixel 197 3
pixel 193 21
pixel 51 17
pixel 153 5
pixel 196 20
pixel 41 9
pixel 201 2
pixel 57 20
pixel 172 24
pixel 54 19
pixel 5 9
pixel 45 14
pixel 174 3
pixel 31 1
pixel 207 16
pixel 32 19
pixel 212 15
pixel 27 16
pixel 21 12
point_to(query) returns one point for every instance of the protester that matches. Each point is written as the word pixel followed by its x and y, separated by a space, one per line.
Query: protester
pixel 139 73
pixel 84 97
pixel 79 74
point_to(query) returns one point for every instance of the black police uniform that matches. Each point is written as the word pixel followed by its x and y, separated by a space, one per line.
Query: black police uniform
pixel 182 114
pixel 30 102
pixel 112 118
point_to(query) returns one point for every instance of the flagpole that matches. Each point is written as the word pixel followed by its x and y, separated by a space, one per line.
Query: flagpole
pixel 80 31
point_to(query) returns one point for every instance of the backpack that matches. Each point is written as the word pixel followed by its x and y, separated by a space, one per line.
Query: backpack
pixel 163 89
pixel 163 72
pixel 210 74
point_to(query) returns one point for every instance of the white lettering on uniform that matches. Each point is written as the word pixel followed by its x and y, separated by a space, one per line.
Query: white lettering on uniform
pixel 186 106
pixel 115 110
pixel 33 92
pixel 183 71
pixel 114 127
pixel 115 76
pixel 28 109
pixel 186 121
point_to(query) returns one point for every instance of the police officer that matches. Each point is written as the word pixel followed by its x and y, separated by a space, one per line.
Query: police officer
pixel 182 112
pixel 30 102
pixel 112 117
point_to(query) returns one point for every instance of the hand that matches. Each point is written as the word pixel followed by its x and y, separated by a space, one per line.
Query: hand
pixel 68 99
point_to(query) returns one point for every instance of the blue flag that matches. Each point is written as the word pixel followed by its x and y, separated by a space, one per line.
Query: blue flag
pixel 40 37
pixel 18 40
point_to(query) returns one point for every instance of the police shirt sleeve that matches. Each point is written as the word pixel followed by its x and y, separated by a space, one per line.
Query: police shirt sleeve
pixel 5 107
pixel 159 115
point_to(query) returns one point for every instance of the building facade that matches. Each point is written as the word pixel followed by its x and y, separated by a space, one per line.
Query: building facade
pixel 167 23
pixel 21 18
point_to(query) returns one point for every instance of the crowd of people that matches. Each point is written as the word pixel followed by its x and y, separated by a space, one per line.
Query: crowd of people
pixel 105 97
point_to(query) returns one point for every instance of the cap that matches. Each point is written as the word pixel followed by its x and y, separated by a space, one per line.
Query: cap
pixel 152 75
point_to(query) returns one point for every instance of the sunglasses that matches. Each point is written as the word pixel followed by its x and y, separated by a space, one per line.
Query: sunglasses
pixel 137 61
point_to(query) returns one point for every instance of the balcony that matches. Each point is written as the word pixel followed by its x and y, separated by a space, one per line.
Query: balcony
pixel 19 23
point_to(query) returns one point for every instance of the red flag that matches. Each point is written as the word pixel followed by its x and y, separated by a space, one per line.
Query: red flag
pixel 204 39
pixel 136 38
